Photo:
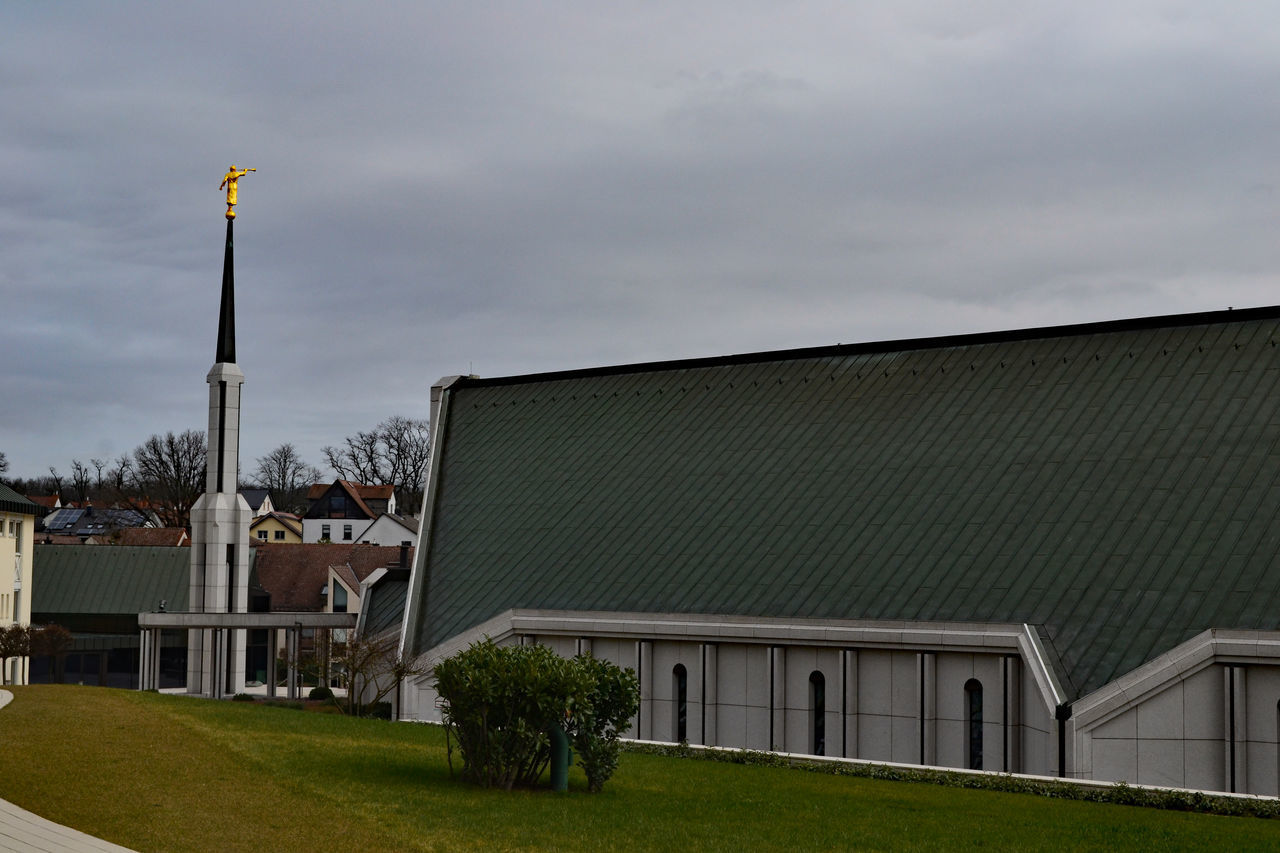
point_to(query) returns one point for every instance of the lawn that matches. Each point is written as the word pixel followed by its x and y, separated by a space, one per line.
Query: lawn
pixel 156 772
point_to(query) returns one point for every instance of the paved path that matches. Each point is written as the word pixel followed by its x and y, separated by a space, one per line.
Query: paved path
pixel 24 832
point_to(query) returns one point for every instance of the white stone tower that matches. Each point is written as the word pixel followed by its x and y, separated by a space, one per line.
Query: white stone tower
pixel 220 518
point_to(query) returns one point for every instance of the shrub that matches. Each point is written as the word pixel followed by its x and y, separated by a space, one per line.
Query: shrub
pixel 320 692
pixel 376 710
pixel 242 697
pixel 501 703
pixel 595 726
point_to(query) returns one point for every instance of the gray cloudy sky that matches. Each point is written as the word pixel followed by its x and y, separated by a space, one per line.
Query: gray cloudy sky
pixel 516 187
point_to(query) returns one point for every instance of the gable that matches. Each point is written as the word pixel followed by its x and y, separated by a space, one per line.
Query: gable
pixel 1113 484
pixel 339 500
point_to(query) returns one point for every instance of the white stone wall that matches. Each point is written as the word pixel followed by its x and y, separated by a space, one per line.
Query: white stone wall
pixel 1191 718
pixel 759 696
pixel 1181 735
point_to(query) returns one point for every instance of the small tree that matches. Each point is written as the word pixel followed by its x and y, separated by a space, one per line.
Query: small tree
pixel 371 668
pixel 595 727
pixel 15 642
pixel 49 640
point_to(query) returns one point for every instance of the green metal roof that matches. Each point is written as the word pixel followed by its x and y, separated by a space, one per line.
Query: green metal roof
pixel 383 606
pixel 11 501
pixel 109 579
pixel 1113 483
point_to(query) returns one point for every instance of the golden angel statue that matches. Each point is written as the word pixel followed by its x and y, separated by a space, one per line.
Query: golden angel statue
pixel 229 181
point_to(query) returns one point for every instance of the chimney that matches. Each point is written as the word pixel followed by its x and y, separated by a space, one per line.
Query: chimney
pixel 404 554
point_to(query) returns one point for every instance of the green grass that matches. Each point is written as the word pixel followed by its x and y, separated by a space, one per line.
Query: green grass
pixel 158 772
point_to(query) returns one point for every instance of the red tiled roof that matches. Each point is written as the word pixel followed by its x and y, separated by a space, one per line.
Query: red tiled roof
pixel 154 536
pixel 49 501
pixel 294 574
pixel 359 490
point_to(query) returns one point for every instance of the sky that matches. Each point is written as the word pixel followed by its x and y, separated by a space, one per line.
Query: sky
pixel 512 187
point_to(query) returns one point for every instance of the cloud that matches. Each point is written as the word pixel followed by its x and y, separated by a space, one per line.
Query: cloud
pixel 510 188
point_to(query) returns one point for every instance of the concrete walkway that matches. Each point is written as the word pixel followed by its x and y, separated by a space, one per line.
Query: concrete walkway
pixel 24 832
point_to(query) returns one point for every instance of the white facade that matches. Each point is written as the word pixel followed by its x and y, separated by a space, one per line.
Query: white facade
pixel 387 531
pixel 335 530
pixel 16 540
pixel 904 692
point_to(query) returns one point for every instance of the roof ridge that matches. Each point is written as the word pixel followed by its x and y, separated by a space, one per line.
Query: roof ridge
pixel 1170 321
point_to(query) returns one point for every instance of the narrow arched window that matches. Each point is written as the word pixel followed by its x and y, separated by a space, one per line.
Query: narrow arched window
pixel 817 713
pixel 680 690
pixel 973 702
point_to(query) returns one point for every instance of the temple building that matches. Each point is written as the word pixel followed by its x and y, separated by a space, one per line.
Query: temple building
pixel 1048 550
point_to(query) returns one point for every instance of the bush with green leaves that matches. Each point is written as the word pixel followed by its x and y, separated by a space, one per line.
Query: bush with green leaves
pixel 320 693
pixel 500 703
pixel 594 727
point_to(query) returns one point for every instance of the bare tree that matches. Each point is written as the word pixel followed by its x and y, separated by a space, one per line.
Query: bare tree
pixel 98 465
pixel 56 480
pixel 4 462
pixel 396 451
pixel 170 470
pixel 284 473
pixel 80 480
pixel 371 669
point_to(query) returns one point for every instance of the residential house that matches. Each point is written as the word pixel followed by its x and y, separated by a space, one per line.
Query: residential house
pixel 17 533
pixel 276 528
pixel 45 504
pixel 343 511
pixel 259 501
pixel 84 522
pixel 318 578
pixel 390 529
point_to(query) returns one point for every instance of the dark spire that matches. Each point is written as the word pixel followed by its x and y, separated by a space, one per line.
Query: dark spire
pixel 227 315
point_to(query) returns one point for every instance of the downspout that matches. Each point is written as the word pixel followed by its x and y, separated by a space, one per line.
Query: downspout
pixel 1063 713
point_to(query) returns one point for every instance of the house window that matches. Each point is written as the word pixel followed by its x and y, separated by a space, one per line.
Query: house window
pixel 973 700
pixel 279 535
pixel 262 534
pixel 339 598
pixel 680 690
pixel 18 533
pixel 337 506
pixel 324 531
pixel 346 532
pixel 818 713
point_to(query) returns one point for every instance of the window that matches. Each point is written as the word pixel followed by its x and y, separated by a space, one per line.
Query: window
pixel 262 534
pixel 339 598
pixel 680 691
pixel 324 531
pixel 279 535
pixel 973 701
pixel 337 506
pixel 346 532
pixel 818 713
